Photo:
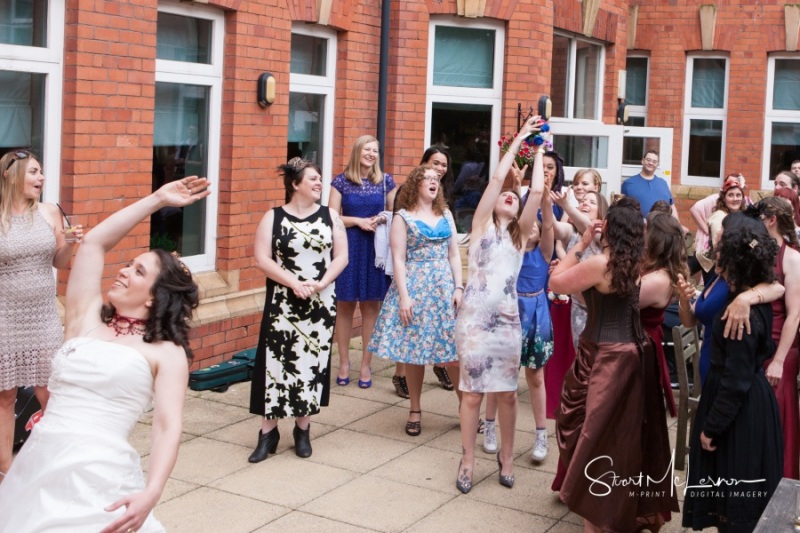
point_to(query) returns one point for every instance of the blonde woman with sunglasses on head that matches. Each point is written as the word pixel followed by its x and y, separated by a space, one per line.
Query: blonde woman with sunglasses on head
pixel 32 242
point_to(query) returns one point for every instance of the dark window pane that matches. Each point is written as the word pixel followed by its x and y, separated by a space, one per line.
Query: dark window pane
pixel 559 75
pixel 309 55
pixel 180 148
pixel 634 148
pixel 582 151
pixel 23 22
pixel 785 146
pixel 705 148
pixel 182 38
pixel 306 121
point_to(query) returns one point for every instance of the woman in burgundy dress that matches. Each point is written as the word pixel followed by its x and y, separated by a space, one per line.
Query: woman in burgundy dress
pixel 782 368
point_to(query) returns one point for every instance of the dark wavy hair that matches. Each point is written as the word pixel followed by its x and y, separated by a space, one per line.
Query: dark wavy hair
pixel 558 180
pixel 448 180
pixel 293 173
pixel 175 295
pixel 408 196
pixel 781 209
pixel 665 247
pixel 792 197
pixel 624 234
pixel 746 252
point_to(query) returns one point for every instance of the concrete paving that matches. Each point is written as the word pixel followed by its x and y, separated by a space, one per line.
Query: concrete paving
pixel 365 473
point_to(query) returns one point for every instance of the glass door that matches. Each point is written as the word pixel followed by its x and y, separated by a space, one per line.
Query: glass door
pixel 636 141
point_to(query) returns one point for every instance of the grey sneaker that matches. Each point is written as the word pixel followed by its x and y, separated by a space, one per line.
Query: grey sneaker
pixel 540 448
pixel 490 437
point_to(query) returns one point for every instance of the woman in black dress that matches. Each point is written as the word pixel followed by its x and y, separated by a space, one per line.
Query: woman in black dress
pixel 302 248
pixel 736 457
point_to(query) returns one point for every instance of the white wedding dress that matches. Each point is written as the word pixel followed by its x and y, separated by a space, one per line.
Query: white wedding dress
pixel 77 460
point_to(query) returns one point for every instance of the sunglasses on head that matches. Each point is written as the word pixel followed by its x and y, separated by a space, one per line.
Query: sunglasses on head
pixel 19 154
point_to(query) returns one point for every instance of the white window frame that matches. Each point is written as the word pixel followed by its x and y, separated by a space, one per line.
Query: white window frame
pixel 492 97
pixel 701 113
pixel 640 110
pixel 47 61
pixel 572 81
pixel 773 115
pixel 322 85
pixel 206 75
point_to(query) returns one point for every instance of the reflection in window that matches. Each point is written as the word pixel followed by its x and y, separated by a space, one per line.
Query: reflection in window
pixel 21 111
pixel 587 80
pixel 705 148
pixel 634 148
pixel 785 146
pixel 582 151
pixel 463 57
pixel 182 38
pixel 465 129
pixel 23 22
pixel 575 78
pixel 306 117
pixel 180 148
pixel 308 55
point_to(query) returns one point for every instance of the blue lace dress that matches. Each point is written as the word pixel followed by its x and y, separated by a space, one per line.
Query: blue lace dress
pixel 429 339
pixel 361 280
pixel 534 310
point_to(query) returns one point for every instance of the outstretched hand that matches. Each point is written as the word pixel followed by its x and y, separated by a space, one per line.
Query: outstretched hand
pixel 137 507
pixel 183 192
pixel 594 229
pixel 531 126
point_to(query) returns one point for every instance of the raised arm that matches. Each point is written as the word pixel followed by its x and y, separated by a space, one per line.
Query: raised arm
pixel 528 217
pixel 83 289
pixel 571 276
pixel 580 220
pixel 483 212
pixel 547 237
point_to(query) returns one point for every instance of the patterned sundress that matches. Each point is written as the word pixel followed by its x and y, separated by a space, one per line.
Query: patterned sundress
pixel 488 331
pixel 429 279
pixel 292 377
pixel 30 330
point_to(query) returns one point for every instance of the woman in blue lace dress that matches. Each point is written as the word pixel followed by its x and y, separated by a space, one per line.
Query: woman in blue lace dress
pixel 359 194
pixel 418 317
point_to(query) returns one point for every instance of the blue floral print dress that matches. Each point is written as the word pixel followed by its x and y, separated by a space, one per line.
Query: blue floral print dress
pixel 429 279
pixel 488 331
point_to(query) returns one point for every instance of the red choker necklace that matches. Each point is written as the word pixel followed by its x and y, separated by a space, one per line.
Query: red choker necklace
pixel 124 325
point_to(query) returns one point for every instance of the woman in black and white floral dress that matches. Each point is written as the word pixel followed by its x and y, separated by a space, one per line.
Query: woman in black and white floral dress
pixel 302 248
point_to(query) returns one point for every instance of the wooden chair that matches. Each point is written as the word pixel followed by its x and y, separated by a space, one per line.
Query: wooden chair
pixel 687 349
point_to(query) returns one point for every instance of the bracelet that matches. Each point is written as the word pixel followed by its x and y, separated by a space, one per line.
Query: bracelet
pixel 459 287
pixel 760 295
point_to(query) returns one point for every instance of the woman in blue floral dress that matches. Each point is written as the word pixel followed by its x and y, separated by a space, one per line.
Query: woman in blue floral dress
pixel 359 194
pixel 488 331
pixel 417 319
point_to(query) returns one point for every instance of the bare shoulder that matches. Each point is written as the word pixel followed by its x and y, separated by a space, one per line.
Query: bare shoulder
pixel 164 355
pixel 50 213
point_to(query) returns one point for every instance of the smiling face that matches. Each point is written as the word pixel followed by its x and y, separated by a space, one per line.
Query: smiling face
pixel 31 186
pixel 369 156
pixel 649 164
pixel 131 291
pixel 589 205
pixel 582 185
pixel 439 163
pixel 429 185
pixel 310 186
pixel 733 199
pixel 550 170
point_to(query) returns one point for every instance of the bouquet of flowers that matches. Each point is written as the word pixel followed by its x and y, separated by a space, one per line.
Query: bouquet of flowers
pixel 529 145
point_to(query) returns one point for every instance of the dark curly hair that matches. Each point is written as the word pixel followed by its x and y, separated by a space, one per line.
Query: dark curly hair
pixel 624 234
pixel 781 209
pixel 175 295
pixel 558 180
pixel 746 252
pixel 448 179
pixel 665 247
pixel 408 196
pixel 293 173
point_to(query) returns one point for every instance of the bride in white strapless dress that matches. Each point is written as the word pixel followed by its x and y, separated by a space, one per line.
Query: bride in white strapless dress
pixel 77 472
pixel 78 460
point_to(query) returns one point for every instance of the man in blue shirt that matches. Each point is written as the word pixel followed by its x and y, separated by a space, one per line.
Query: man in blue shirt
pixel 647 187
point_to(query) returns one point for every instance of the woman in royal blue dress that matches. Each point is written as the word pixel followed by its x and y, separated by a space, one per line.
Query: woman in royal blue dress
pixel 359 194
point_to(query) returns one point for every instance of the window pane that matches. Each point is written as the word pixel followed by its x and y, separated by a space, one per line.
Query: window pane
pixel 463 57
pixel 306 116
pixel 636 121
pixel 636 81
pixel 180 148
pixel 582 150
pixel 786 94
pixel 785 146
pixel 23 22
pixel 634 148
pixel 308 55
pixel 559 75
pixel 708 83
pixel 182 38
pixel 21 111
pixel 705 148
pixel 587 80
pixel 465 130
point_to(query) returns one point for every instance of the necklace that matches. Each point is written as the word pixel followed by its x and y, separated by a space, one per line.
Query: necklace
pixel 124 325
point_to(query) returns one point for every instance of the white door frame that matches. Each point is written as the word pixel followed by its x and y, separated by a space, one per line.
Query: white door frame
pixel 664 135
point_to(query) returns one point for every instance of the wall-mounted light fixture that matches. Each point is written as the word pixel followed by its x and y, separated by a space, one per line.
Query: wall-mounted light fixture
pixel 266 89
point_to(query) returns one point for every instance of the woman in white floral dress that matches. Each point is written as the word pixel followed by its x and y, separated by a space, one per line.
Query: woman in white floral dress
pixel 488 331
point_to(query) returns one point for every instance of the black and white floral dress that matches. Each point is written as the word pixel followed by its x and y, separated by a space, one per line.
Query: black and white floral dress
pixel 292 377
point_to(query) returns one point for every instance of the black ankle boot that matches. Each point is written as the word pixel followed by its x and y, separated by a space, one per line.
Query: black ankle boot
pixel 267 444
pixel 302 441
